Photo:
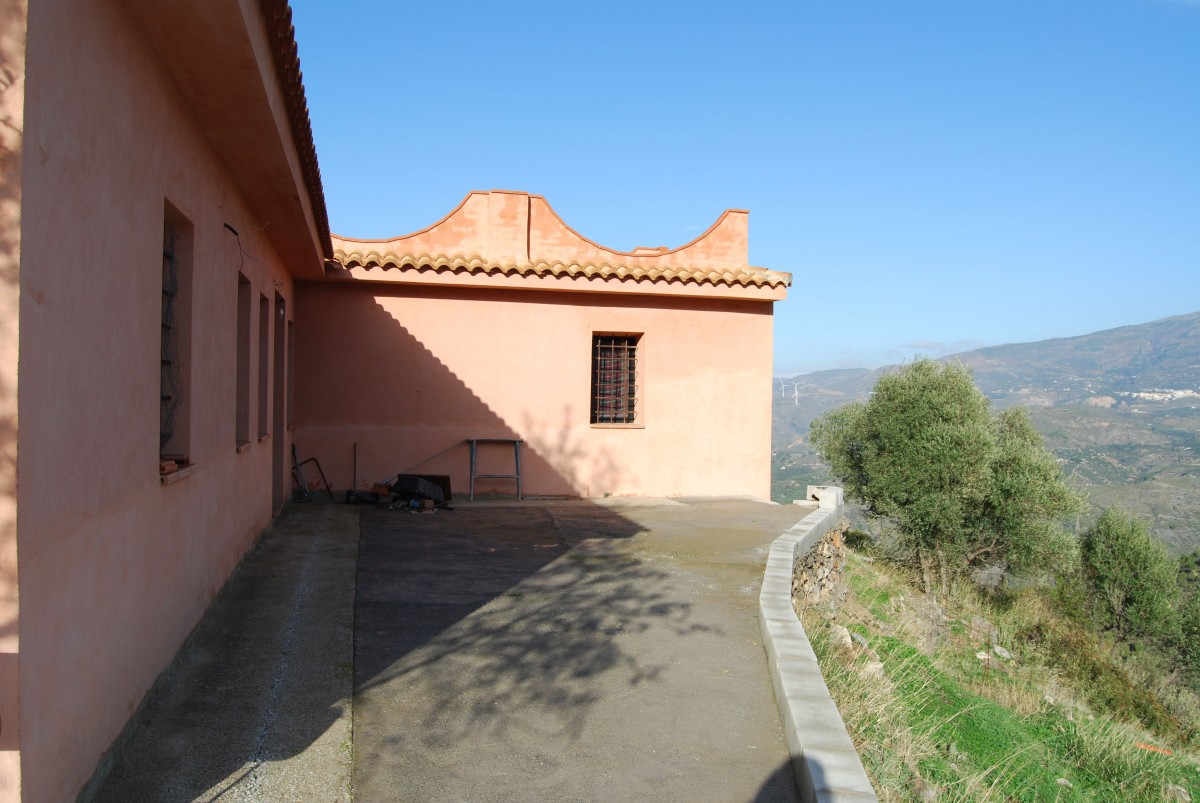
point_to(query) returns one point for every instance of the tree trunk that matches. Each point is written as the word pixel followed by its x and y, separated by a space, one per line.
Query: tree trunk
pixel 943 578
pixel 926 578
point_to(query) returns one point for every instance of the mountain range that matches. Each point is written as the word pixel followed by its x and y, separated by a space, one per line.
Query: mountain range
pixel 1119 408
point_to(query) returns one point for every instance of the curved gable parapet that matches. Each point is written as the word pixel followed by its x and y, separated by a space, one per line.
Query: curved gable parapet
pixel 501 233
pixel 516 227
pixel 724 245
pixel 463 230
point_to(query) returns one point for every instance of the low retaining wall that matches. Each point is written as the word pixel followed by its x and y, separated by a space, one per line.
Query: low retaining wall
pixel 825 763
pixel 819 571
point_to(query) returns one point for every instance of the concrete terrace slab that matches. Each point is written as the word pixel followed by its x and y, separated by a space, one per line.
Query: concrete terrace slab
pixel 547 650
pixel 567 651
pixel 256 706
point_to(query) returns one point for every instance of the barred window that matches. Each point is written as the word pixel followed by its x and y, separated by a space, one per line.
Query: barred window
pixel 244 304
pixel 174 418
pixel 170 373
pixel 614 379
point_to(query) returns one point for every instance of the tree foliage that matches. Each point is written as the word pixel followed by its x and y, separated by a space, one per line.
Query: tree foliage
pixel 1028 497
pixel 1132 576
pixel 964 485
pixel 1188 635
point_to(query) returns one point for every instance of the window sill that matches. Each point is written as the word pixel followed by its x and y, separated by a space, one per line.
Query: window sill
pixel 264 438
pixel 173 477
pixel 243 446
pixel 618 426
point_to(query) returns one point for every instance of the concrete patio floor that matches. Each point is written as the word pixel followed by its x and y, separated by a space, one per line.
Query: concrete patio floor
pixel 542 650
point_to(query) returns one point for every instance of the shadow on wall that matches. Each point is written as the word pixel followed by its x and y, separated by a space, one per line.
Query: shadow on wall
pixel 375 384
pixel 507 615
pixel 362 377
pixel 492 623
pixel 262 678
pixel 564 449
pixel 491 645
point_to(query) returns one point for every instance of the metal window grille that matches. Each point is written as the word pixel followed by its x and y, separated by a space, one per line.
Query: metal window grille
pixel 171 382
pixel 614 379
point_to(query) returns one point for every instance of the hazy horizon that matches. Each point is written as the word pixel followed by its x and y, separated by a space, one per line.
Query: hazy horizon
pixel 777 375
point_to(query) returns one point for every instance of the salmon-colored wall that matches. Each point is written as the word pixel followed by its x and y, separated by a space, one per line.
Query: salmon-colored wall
pixel 408 372
pixel 12 98
pixel 509 227
pixel 102 132
pixel 116 567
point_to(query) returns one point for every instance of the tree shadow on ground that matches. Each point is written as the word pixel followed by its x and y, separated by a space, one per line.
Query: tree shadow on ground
pixel 779 787
pixel 497 627
pixel 499 651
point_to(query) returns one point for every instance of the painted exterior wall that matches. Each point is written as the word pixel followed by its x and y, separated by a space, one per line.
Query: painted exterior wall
pixel 516 228
pixel 12 102
pixel 382 368
pixel 481 326
pixel 116 566
pixel 121 113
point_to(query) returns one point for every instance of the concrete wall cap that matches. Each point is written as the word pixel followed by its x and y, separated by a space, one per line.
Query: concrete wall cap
pixel 826 765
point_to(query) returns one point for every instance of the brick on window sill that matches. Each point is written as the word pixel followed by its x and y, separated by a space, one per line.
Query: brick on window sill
pixel 172 477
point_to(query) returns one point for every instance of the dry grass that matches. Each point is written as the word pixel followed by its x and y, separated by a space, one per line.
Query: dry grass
pixel 891 748
pixel 975 730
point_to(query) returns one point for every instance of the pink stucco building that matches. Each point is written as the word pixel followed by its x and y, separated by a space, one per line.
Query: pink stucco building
pixel 643 372
pixel 174 315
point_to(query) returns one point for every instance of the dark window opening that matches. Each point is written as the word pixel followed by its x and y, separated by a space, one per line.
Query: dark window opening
pixel 174 420
pixel 242 419
pixel 614 379
pixel 264 355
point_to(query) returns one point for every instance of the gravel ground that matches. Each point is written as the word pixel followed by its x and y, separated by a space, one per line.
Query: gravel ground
pixel 546 650
pixel 256 707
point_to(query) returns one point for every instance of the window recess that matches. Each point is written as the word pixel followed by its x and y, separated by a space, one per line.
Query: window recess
pixel 615 379
pixel 174 418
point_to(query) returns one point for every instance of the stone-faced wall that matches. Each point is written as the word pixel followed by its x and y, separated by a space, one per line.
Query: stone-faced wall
pixel 822 568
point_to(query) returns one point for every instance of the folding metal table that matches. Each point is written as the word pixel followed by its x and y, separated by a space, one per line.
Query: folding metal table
pixel 516 445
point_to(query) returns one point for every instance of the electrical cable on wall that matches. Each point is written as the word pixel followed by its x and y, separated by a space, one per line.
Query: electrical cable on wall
pixel 243 254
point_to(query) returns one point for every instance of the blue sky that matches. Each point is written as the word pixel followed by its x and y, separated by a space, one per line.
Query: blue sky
pixel 937 176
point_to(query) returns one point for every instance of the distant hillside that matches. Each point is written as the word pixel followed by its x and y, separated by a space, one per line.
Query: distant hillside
pixel 1162 355
pixel 1120 408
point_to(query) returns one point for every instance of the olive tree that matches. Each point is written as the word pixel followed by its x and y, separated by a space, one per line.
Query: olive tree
pixel 963 485
pixel 1027 500
pixel 1132 576
pixel 1188 634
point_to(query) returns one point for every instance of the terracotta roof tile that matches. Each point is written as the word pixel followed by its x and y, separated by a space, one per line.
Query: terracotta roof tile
pixel 417 263
pixel 286 55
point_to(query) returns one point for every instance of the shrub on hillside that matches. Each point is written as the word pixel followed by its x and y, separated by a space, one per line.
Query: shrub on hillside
pixel 1107 687
pixel 1188 636
pixel 963 486
pixel 1131 576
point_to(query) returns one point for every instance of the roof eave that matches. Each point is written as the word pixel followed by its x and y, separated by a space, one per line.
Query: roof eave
pixel 235 63
pixel 476 273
